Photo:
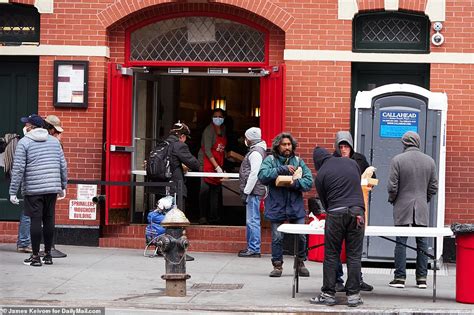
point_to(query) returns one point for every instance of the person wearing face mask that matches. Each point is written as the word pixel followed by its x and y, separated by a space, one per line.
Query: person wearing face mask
pixel 39 167
pixel 252 190
pixel 211 156
pixel 285 203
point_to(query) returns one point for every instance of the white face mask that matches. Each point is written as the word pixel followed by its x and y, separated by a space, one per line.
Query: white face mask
pixel 25 130
pixel 247 143
pixel 217 121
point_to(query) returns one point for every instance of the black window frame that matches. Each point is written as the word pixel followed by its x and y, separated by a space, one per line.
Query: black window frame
pixel 422 47
pixel 24 13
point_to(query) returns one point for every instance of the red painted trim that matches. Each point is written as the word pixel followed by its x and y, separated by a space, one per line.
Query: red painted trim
pixel 110 68
pixel 234 18
pixel 283 107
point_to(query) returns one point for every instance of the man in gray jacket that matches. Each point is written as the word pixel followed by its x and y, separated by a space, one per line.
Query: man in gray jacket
pixel 252 190
pixel 412 182
pixel 40 168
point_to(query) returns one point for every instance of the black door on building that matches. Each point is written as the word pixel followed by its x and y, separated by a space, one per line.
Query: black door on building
pixel 18 98
pixel 367 76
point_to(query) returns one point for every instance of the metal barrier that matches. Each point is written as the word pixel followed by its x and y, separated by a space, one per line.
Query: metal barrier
pixel 178 185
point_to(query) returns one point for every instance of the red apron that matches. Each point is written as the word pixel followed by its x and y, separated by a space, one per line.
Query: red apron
pixel 218 151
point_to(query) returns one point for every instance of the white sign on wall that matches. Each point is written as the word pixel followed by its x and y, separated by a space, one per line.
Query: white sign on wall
pixel 82 210
pixel 86 192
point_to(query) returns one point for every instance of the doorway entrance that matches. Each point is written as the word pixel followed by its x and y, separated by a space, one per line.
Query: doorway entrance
pixel 19 95
pixel 161 99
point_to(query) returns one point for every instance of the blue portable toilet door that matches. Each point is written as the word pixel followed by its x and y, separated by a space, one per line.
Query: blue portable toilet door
pixel 393 115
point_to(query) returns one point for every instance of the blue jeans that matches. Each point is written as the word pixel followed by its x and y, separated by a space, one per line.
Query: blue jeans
pixel 24 239
pixel 277 241
pixel 253 223
pixel 401 258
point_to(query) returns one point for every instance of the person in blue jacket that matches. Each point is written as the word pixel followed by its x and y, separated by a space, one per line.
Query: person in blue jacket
pixel 285 203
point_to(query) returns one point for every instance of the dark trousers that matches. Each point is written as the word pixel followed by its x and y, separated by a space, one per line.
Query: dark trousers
pixel 342 226
pixel 210 201
pixel 40 209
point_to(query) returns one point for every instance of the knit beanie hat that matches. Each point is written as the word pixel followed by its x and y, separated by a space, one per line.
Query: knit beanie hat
pixel 253 134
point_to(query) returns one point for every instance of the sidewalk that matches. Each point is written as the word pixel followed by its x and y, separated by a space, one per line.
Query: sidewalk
pixel 125 282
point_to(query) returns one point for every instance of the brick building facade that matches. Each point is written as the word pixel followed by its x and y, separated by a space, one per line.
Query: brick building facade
pixel 314 41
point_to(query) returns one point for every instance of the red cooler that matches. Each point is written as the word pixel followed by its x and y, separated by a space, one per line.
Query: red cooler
pixel 464 270
pixel 317 254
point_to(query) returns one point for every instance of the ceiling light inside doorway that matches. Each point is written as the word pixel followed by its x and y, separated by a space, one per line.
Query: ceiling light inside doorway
pixel 218 103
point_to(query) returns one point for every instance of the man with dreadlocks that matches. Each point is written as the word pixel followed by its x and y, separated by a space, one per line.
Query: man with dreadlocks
pixel 285 203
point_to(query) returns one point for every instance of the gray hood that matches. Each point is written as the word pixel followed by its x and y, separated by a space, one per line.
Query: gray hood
pixel 261 144
pixel 411 139
pixel 37 134
pixel 343 136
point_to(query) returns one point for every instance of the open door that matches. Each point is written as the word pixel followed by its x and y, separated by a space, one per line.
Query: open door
pixel 272 102
pixel 118 145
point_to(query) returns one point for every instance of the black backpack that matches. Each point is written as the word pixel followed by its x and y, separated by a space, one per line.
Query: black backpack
pixel 158 166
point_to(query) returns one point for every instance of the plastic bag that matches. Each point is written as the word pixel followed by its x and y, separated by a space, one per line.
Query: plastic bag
pixel 459 228
pixel 165 203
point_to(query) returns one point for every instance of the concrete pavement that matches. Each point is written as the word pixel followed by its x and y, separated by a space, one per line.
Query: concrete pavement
pixel 125 282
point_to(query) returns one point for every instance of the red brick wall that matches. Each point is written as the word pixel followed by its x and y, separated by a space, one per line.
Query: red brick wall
pixel 83 128
pixel 458 82
pixel 318 93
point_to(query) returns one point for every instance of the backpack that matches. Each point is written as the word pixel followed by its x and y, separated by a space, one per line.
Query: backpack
pixel 158 166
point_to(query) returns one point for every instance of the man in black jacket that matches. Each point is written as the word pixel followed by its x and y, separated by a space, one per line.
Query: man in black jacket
pixel 338 185
pixel 344 147
pixel 179 155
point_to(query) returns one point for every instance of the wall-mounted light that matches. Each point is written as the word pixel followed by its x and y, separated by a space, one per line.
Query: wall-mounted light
pixel 218 103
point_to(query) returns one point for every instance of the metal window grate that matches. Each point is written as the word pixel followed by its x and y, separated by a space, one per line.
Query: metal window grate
pixel 200 38
pixel 391 31
pixel 19 23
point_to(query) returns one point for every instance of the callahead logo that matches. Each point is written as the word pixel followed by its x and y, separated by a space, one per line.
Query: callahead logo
pixel 399 115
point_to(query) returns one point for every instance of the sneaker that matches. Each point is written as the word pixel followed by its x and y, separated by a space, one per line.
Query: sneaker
pixel 397 283
pixel 365 286
pixel 24 249
pixel 34 261
pixel 248 253
pixel 324 299
pixel 340 287
pixel 354 300
pixel 48 259
pixel 189 258
pixel 421 284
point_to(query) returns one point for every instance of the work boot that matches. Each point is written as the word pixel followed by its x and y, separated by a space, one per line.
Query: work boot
pixel 302 270
pixel 277 269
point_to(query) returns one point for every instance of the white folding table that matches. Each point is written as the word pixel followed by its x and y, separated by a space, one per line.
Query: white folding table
pixel 381 231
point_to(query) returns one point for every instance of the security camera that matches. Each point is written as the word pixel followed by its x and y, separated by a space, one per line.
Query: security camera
pixel 438 26
pixel 437 39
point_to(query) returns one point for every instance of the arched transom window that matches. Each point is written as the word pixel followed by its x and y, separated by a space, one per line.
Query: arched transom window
pixel 197 39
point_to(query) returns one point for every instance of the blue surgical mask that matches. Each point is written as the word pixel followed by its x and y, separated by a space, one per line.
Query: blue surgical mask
pixel 217 121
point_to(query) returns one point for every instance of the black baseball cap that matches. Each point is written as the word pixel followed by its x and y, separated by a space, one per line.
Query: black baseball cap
pixel 34 120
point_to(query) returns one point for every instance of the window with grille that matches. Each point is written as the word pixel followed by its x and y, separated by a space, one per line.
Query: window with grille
pixel 19 24
pixel 198 39
pixel 400 32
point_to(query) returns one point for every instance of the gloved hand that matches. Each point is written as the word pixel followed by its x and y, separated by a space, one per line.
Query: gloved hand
pixel 243 197
pixel 14 200
pixel 219 169
pixel 62 195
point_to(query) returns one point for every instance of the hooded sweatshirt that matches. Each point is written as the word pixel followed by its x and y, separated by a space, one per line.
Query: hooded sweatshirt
pixel 412 183
pixel 39 165
pixel 345 136
pixel 337 180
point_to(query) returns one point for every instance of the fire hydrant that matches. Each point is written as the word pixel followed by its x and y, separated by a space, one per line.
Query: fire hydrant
pixel 173 245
